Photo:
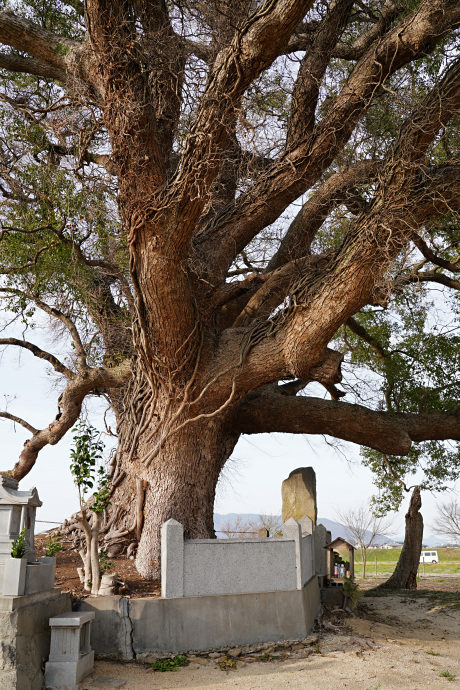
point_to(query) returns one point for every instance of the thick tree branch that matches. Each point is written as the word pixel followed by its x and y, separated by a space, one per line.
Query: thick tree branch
pixel 255 46
pixel 15 63
pixel 70 403
pixel 303 38
pixel 300 167
pixel 265 412
pixel 334 191
pixel 63 54
pixel 312 70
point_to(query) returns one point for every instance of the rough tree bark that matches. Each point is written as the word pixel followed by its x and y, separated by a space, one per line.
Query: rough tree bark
pixel 192 357
pixel 405 574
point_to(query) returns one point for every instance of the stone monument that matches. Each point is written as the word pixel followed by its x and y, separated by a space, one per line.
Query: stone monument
pixel 298 493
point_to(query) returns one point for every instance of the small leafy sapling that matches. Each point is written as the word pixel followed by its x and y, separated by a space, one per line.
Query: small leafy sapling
pixel 18 547
pixel 90 475
pixel 53 545
pixel 105 566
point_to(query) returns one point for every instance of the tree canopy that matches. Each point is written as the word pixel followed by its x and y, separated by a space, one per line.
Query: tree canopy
pixel 238 213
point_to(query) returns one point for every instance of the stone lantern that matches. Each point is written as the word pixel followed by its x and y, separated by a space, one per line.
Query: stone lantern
pixel 17 511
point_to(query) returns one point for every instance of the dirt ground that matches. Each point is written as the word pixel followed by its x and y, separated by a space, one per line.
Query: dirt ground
pixel 408 641
pixel 67 579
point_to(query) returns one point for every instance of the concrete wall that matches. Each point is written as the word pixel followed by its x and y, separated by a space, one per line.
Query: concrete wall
pixel 232 566
pixel 25 637
pixel 308 557
pixel 199 623
pixel 203 567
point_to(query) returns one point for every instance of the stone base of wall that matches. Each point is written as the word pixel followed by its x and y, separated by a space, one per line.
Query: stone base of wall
pixel 25 637
pixel 124 628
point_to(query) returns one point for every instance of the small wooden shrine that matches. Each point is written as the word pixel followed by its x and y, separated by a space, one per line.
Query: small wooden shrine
pixel 337 569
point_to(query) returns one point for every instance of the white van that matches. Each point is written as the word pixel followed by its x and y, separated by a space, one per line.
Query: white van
pixel 429 557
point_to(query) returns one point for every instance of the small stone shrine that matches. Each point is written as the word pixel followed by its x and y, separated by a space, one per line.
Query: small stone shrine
pixel 17 511
pixel 71 657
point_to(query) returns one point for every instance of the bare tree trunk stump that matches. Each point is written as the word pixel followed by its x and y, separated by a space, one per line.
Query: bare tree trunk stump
pixel 405 574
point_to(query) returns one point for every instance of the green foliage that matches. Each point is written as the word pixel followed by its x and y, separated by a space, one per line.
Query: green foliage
pixel 88 474
pixel 173 664
pixel 105 566
pixel 411 364
pixel 226 663
pixel 53 544
pixel 18 547
pixel 351 590
pixel 447 674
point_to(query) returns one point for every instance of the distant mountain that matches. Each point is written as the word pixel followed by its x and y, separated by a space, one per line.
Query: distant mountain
pixel 336 529
pixel 221 520
pixel 432 541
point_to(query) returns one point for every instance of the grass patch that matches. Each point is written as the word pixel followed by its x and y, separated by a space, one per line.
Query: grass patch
pixel 445 600
pixel 173 664
pixel 226 663
pixel 447 674
pixel 433 653
pixel 392 556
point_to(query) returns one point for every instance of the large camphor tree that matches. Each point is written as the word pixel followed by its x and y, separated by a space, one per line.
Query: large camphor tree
pixel 228 208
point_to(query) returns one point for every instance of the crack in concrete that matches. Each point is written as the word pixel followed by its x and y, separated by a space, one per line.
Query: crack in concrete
pixel 127 639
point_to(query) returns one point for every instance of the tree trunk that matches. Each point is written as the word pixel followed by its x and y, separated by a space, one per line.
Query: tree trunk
pixel 179 482
pixel 405 574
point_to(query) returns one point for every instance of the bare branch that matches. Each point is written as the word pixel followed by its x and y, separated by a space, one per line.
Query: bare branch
pixel 52 311
pixel 41 354
pixel 70 403
pixel 430 255
pixel 18 420
pixel 359 330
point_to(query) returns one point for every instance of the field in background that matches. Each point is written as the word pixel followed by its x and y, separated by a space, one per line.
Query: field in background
pixel 449 562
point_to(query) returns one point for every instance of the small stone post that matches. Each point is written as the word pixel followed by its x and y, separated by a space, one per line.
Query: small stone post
pixel 306 525
pixel 172 559
pixel 291 530
pixel 320 541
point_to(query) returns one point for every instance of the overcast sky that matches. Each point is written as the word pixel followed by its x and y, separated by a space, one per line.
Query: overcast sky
pixel 252 478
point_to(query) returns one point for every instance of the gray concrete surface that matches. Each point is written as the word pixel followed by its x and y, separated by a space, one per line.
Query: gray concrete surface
pixel 25 637
pixel 124 628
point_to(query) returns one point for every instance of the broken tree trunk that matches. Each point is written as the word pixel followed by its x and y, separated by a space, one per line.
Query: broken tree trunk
pixel 405 574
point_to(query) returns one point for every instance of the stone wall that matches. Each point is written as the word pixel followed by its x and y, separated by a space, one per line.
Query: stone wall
pixel 207 567
pixel 25 637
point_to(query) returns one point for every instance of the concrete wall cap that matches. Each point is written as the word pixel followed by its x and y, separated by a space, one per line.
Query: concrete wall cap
pixel 171 521
pixel 74 619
